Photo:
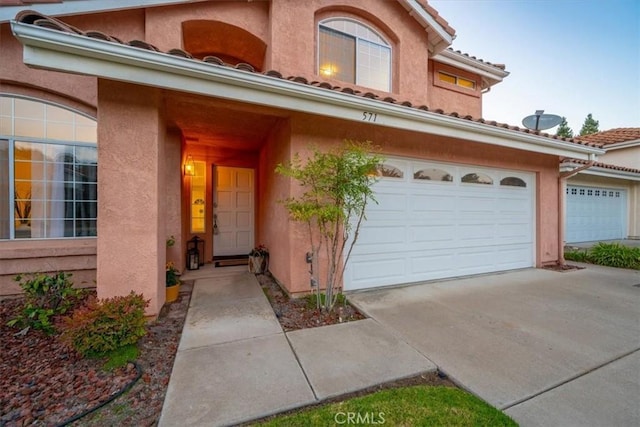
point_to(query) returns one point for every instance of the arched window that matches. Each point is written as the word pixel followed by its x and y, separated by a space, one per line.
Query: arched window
pixel 390 171
pixel 48 171
pixel 354 53
pixel 433 174
pixel 513 181
pixel 477 178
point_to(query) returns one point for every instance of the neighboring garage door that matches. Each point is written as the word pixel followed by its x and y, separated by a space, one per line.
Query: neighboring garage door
pixel 436 220
pixel 594 213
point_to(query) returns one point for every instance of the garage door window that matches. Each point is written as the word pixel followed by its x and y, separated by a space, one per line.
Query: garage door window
pixel 512 181
pixel 433 174
pixel 389 171
pixel 477 178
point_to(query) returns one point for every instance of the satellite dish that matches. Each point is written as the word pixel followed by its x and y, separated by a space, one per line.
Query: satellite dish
pixel 540 121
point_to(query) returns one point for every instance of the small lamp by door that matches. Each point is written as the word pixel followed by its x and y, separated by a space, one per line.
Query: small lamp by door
pixel 193 259
pixel 189 166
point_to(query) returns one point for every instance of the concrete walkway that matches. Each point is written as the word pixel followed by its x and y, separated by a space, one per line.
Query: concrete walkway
pixel 235 363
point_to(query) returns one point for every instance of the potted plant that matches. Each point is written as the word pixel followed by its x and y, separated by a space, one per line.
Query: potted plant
pixel 173 282
pixel 259 259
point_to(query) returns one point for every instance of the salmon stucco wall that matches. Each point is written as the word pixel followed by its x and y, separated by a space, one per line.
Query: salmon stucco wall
pixel 173 196
pixel 132 208
pixel 627 157
pixel 164 29
pixel 273 222
pixel 293 45
pixel 324 133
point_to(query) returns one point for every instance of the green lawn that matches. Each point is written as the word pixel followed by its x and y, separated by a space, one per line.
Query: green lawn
pixel 409 406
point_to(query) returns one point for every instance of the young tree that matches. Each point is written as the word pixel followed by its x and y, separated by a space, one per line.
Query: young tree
pixel 336 189
pixel 590 126
pixel 564 130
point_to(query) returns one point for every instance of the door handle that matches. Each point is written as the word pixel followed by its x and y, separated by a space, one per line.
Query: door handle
pixel 215 224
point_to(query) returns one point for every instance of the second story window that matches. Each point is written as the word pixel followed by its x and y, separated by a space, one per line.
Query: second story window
pixel 354 53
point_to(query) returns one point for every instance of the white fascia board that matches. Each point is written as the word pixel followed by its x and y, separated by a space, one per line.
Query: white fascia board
pixel 469 64
pixel 428 23
pixel 603 172
pixel 55 50
pixel 79 7
pixel 620 145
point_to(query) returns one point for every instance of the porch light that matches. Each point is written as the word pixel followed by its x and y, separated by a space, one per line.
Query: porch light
pixel 189 166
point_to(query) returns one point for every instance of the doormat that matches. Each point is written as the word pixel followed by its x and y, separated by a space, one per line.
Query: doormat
pixel 231 262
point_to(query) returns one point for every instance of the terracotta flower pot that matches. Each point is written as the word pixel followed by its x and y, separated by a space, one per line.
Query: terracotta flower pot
pixel 172 292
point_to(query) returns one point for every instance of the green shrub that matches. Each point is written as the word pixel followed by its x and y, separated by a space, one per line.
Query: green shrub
pixel 615 255
pixel 45 296
pixel 99 327
pixel 578 256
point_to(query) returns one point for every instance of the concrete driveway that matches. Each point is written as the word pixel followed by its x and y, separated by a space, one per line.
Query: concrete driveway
pixel 549 348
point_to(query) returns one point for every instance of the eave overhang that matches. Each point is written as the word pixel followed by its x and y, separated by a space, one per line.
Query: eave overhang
pixel 600 171
pixel 71 53
pixel 490 74
pixel 620 145
pixel 439 38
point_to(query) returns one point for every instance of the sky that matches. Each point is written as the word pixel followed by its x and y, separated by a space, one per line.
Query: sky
pixel 567 57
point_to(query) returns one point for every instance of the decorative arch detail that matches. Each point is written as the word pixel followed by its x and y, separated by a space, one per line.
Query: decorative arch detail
pixel 228 42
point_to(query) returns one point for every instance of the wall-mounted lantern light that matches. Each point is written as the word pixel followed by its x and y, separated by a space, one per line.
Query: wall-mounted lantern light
pixel 189 166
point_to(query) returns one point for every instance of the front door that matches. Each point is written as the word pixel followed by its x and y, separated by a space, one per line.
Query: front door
pixel 233 212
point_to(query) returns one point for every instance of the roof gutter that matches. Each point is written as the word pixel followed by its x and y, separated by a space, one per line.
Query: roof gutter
pixel 55 50
pixel 600 171
pixel 78 7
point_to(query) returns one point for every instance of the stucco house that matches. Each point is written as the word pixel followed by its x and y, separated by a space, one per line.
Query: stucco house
pixel 603 200
pixel 123 123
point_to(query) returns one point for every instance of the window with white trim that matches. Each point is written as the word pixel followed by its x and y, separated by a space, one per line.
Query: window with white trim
pixel 48 171
pixel 354 53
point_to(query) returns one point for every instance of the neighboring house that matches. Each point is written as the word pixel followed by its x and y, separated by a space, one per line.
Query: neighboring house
pixel 123 123
pixel 603 201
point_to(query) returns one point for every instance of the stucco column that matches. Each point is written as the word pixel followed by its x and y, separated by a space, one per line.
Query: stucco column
pixel 173 200
pixel 131 193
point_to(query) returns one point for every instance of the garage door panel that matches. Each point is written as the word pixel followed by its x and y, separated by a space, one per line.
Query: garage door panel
pixel 432 233
pixel 381 270
pixel 436 263
pixel 426 230
pixel 430 203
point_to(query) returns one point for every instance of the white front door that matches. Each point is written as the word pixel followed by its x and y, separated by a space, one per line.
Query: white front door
pixel 233 213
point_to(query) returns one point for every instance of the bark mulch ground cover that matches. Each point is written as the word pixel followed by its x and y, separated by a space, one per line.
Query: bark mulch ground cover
pixel 44 384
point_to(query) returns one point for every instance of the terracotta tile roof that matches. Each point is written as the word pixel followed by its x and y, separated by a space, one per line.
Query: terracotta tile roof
pixel 435 15
pixel 611 136
pixel 37 19
pixel 500 66
pixel 600 165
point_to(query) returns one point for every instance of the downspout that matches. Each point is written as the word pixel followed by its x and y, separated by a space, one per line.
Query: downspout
pixel 562 184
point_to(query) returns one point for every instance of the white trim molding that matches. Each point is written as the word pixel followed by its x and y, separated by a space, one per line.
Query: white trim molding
pixel 72 53
pixel 439 39
pixel 490 74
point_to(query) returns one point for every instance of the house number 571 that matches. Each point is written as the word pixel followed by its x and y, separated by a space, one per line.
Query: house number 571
pixel 368 116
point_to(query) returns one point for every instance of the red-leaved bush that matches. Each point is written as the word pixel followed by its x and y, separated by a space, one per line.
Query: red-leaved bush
pixel 100 326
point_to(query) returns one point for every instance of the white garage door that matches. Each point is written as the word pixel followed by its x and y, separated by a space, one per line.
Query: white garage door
pixel 594 213
pixel 437 220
